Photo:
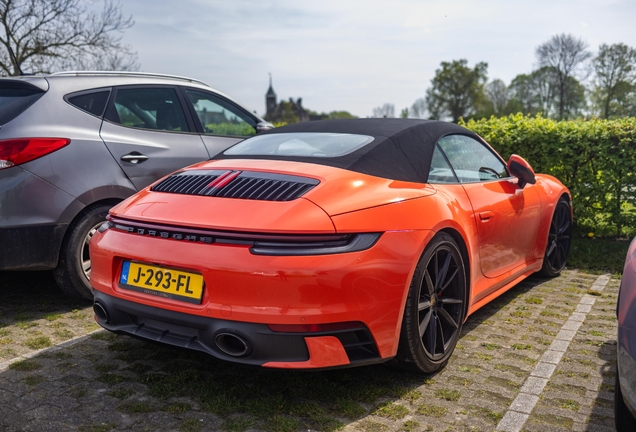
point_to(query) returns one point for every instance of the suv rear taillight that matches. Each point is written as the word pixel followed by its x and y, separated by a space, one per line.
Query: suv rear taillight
pixel 21 150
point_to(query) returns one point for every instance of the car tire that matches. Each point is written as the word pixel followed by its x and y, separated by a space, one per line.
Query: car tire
pixel 623 419
pixel 557 249
pixel 434 309
pixel 72 273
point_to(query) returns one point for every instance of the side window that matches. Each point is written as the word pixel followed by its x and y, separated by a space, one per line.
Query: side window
pixel 148 108
pixel 471 160
pixel 440 171
pixel 93 103
pixel 220 117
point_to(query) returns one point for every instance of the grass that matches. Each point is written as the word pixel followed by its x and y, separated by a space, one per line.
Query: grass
pixel 449 395
pixel 598 255
pixel 534 300
pixel 25 365
pixel 120 393
pixel 490 346
pixel 38 342
pixel 391 410
pixel 518 346
pixel 136 407
pixel 190 425
pixel 177 407
pixel 410 425
pixel 432 410
pixel 33 380
pixel 104 427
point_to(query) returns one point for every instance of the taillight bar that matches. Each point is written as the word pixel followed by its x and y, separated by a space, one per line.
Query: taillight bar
pixel 17 151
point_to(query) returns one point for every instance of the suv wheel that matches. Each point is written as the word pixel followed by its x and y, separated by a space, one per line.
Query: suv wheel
pixel 73 270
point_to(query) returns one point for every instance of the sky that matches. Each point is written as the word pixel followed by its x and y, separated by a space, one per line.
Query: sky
pixel 356 55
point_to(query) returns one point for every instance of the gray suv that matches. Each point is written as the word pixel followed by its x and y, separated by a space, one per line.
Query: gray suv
pixel 73 144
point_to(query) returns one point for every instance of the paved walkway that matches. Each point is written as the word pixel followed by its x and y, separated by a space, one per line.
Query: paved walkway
pixel 541 357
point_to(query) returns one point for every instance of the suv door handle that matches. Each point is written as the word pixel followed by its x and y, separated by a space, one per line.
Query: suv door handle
pixel 134 157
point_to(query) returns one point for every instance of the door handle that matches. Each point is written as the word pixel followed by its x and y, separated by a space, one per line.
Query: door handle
pixel 485 216
pixel 134 158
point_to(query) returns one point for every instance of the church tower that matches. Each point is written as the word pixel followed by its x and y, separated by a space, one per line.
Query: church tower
pixel 270 99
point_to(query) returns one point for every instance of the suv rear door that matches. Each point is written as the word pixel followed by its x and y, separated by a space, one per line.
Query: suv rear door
pixel 149 133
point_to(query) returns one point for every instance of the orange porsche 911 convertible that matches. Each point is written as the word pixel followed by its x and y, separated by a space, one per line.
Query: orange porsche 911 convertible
pixel 329 244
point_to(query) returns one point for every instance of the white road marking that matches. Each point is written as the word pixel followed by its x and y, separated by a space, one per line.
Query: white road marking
pixel 530 392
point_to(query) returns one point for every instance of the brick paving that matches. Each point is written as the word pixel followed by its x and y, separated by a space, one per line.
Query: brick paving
pixel 507 350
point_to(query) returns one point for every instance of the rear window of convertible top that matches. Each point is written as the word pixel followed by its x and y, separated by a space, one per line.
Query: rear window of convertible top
pixel 306 144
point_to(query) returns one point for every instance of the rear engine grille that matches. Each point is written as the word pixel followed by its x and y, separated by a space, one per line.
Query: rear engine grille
pixel 237 184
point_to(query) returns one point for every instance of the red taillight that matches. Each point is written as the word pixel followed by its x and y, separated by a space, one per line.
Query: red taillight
pixel 315 328
pixel 21 150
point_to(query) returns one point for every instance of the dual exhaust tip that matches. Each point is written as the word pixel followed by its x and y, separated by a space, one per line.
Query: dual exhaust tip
pixel 229 343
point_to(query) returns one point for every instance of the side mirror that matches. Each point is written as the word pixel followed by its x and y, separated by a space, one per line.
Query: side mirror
pixel 521 169
pixel 263 126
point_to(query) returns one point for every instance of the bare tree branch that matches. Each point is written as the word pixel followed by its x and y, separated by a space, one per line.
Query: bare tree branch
pixel 564 54
pixel 49 35
pixel 385 111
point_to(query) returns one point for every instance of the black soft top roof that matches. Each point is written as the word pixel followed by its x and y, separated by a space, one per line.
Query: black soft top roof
pixel 402 149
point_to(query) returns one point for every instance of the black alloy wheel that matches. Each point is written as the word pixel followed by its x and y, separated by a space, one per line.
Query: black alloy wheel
pixel 559 240
pixel 435 307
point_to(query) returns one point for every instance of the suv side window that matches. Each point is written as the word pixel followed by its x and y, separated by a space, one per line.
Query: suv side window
pixel 441 171
pixel 93 103
pixel 471 160
pixel 148 108
pixel 218 116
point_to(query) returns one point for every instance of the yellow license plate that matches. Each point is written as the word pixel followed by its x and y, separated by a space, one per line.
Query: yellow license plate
pixel 161 281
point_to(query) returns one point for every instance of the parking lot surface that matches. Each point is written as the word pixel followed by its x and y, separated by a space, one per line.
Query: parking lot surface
pixel 541 357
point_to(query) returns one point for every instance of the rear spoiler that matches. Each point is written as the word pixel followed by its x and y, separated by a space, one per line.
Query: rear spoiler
pixel 26 82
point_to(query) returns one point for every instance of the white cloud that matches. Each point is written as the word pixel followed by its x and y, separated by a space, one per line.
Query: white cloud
pixel 356 55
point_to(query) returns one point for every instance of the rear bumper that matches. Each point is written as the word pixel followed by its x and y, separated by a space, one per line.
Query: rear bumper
pixel 369 286
pixel 34 216
pixel 31 247
pixel 266 348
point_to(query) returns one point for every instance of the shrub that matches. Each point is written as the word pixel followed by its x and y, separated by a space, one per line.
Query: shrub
pixel 594 158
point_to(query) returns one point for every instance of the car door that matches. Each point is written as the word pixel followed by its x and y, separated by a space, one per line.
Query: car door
pixel 148 132
pixel 507 216
pixel 220 122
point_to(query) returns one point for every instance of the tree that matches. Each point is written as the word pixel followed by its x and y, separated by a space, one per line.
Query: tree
pixel 385 111
pixel 340 115
pixel 404 113
pixel 534 93
pixel 615 76
pixel 418 109
pixel 456 90
pixel 564 54
pixel 48 35
pixel 497 94
pixel 538 92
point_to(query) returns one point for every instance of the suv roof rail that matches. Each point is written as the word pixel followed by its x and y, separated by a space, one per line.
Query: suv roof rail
pixel 127 73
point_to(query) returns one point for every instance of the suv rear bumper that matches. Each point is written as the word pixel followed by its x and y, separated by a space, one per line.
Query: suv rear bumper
pixel 34 247
pixel 34 216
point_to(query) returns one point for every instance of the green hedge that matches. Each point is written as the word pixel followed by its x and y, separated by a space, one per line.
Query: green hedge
pixel 595 158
